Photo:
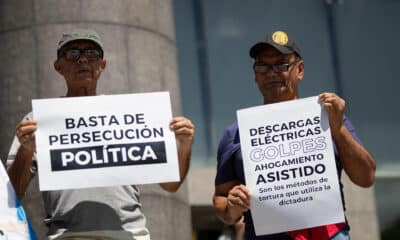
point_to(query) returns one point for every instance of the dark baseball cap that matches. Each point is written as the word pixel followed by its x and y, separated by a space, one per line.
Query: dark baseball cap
pixel 279 40
pixel 80 34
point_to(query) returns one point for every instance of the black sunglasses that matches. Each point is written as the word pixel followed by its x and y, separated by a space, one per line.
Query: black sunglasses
pixel 75 54
pixel 276 68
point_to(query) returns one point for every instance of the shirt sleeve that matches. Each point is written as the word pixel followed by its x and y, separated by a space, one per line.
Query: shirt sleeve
pixel 351 129
pixel 226 158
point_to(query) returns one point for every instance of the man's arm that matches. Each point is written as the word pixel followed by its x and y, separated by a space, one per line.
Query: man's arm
pixel 184 132
pixel 230 201
pixel 19 171
pixel 356 161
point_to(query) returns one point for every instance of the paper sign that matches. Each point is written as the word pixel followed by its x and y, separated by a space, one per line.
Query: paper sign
pixel 13 222
pixel 105 141
pixel 289 166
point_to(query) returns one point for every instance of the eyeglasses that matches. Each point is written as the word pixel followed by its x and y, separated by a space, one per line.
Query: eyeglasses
pixel 276 68
pixel 75 54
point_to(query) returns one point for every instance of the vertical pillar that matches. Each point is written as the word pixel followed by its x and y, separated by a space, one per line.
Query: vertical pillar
pixel 360 211
pixel 139 41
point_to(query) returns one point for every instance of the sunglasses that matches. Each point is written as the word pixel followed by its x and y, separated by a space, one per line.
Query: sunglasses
pixel 75 54
pixel 276 68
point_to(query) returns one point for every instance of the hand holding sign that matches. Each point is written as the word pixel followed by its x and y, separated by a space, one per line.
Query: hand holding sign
pixel 184 130
pixel 184 134
pixel 26 134
pixel 238 200
pixel 20 171
pixel 334 106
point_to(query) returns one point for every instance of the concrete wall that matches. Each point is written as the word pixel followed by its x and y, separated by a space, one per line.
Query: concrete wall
pixel 139 41
pixel 361 211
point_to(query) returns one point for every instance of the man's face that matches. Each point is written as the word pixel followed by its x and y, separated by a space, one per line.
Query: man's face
pixel 81 72
pixel 278 82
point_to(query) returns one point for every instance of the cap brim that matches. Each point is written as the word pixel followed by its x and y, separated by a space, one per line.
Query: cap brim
pixel 81 39
pixel 258 47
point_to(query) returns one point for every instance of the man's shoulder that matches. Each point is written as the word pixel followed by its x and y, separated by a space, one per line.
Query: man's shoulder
pixel 232 128
pixel 230 137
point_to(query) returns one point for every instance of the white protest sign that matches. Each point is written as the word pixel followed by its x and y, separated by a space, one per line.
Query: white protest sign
pixel 105 141
pixel 13 224
pixel 289 166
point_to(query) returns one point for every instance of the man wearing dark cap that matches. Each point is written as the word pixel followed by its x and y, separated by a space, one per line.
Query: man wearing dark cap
pixel 278 68
pixel 92 213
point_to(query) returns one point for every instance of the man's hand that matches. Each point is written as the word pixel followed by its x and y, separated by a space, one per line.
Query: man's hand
pixel 358 164
pixel 334 106
pixel 230 201
pixel 184 133
pixel 25 132
pixel 184 130
pixel 19 171
pixel 238 200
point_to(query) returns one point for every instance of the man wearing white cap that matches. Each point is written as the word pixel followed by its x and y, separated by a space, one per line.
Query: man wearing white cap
pixel 93 213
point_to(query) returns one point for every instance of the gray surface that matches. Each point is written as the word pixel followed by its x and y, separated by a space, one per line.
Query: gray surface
pixel 33 206
pixel 18 81
pixel 140 50
pixel 166 213
pixel 15 14
pixel 360 211
pixel 387 193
